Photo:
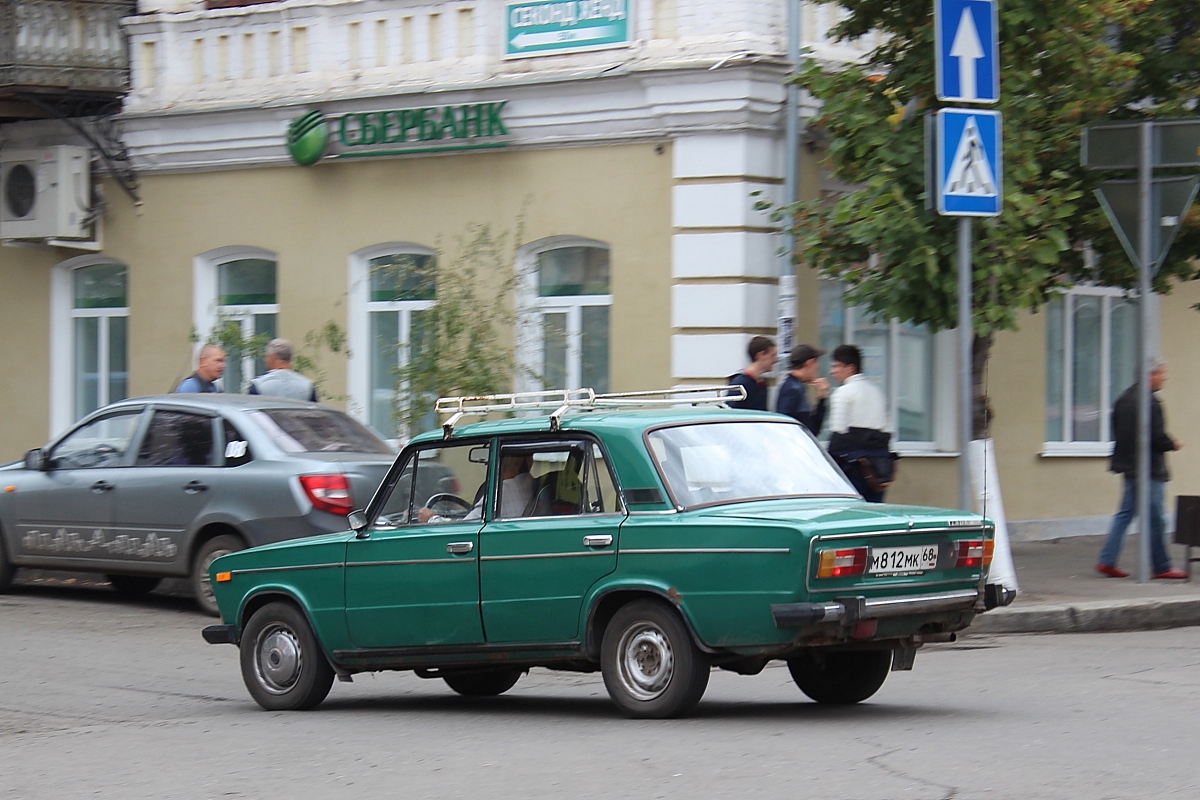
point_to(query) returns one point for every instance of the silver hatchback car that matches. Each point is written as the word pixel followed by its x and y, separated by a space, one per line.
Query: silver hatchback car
pixel 158 487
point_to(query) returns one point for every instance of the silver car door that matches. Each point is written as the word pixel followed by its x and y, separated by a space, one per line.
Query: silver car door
pixel 174 477
pixel 65 512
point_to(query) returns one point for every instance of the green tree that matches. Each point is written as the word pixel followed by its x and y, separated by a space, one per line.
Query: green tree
pixel 462 344
pixel 1064 65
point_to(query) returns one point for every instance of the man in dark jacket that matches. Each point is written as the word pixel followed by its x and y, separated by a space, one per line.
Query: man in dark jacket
pixel 793 392
pixel 1124 462
pixel 753 378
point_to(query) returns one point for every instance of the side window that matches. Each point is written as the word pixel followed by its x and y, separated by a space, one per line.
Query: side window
pixel 446 483
pixel 237 449
pixel 602 489
pixel 100 443
pixel 556 477
pixel 177 439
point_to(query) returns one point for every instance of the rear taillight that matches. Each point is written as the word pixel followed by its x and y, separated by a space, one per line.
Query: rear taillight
pixel 328 493
pixel 841 563
pixel 975 553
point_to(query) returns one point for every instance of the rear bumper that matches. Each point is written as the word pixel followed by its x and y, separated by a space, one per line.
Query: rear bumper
pixel 848 610
pixel 221 634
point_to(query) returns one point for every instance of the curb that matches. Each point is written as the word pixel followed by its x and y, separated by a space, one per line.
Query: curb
pixel 1090 617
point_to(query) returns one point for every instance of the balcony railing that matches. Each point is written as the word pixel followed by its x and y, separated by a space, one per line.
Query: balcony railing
pixel 63 47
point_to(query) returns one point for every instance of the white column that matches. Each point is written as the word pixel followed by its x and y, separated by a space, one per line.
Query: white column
pixel 724 265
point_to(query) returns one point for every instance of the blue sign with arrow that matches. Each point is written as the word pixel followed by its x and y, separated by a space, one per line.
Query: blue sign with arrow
pixel 968 163
pixel 968 51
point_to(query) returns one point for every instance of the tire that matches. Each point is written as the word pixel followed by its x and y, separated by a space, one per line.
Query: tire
pixel 209 552
pixel 483 684
pixel 133 585
pixel 841 678
pixel 282 664
pixel 651 667
pixel 7 570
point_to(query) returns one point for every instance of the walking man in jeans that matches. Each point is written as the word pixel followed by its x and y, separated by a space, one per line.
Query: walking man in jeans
pixel 1124 461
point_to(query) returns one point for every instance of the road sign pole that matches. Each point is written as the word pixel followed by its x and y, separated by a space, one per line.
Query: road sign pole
pixel 965 335
pixel 1145 260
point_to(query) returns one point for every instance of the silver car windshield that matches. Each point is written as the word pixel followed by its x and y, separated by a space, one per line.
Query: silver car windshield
pixel 727 462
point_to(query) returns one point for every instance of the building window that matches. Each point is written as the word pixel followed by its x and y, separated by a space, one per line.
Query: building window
pixel 392 287
pixel 237 304
pixel 902 359
pixel 566 296
pixel 1091 353
pixel 92 357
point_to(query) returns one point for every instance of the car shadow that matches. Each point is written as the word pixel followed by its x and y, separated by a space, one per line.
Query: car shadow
pixel 94 589
pixel 601 707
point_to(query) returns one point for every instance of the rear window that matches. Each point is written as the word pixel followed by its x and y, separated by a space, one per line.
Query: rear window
pixel 318 430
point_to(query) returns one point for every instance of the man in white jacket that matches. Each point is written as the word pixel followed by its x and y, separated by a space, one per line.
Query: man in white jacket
pixel 858 426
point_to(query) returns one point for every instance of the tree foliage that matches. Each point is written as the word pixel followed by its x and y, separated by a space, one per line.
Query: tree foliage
pixel 1064 65
pixel 460 345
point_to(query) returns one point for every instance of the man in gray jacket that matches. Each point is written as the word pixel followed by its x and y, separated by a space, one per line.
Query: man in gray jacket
pixel 280 379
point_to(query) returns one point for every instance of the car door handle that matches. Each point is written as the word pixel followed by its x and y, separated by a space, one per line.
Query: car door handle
pixel 597 541
pixel 191 487
pixel 458 548
pixel 102 486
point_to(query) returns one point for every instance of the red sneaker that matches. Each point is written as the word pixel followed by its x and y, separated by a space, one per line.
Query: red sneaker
pixel 1173 575
pixel 1112 572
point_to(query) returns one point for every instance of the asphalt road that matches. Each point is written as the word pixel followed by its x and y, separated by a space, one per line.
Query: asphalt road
pixel 103 697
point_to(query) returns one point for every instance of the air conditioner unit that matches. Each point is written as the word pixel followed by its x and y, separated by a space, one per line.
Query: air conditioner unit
pixel 45 193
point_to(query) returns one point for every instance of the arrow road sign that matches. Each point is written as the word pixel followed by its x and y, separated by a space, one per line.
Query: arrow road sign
pixel 968 51
pixel 968 163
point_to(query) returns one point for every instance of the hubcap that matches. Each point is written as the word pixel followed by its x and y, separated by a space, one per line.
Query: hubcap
pixel 647 662
pixel 278 659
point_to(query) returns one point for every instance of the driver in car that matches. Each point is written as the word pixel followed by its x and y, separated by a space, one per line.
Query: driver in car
pixel 516 492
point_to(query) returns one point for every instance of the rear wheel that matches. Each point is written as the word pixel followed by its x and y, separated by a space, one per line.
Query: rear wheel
pixel 651 667
pixel 282 664
pixel 133 585
pixel 209 552
pixel 840 678
pixel 483 684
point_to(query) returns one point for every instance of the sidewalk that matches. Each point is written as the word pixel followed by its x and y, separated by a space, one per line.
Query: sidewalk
pixel 1060 592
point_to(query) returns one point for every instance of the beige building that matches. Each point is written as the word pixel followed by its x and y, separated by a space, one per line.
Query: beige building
pixel 618 149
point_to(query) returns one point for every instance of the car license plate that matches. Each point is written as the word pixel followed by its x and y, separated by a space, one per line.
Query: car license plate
pixel 897 560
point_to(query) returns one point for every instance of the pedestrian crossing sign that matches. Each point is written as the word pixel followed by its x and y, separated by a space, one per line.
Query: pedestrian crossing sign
pixel 968 163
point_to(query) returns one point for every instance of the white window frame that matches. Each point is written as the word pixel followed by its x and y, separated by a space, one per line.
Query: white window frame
pixel 1103 447
pixel 530 344
pixel 944 407
pixel 359 307
pixel 62 337
pixel 206 287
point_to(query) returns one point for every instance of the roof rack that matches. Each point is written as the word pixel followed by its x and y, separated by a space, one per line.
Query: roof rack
pixel 560 401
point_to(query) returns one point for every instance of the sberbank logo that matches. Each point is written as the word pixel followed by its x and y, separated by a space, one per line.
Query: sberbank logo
pixel 365 134
pixel 307 138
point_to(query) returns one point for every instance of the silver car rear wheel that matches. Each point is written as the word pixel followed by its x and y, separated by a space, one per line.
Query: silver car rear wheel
pixel 209 552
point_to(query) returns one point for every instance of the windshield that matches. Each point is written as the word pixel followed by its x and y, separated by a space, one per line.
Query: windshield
pixel 317 430
pixel 724 462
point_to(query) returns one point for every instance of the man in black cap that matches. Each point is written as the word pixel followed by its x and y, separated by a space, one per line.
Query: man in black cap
pixel 793 393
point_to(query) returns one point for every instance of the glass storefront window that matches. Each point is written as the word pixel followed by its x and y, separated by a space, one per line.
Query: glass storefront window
pixel 99 346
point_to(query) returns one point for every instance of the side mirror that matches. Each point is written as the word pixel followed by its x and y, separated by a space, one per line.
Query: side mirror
pixel 36 459
pixel 358 522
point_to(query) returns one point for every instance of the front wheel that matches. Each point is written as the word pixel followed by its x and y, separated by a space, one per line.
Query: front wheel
pixel 209 552
pixel 133 585
pixel 840 678
pixel 282 664
pixel 7 570
pixel 651 667
pixel 488 683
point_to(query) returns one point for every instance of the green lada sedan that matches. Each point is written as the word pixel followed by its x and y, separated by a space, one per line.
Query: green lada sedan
pixel 649 544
